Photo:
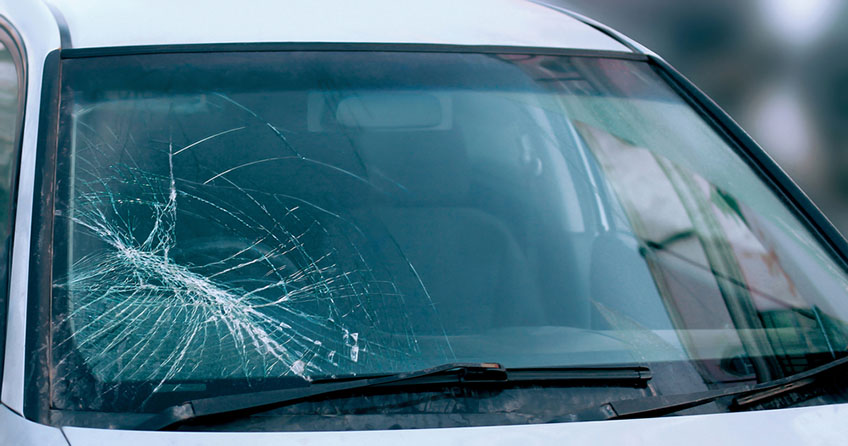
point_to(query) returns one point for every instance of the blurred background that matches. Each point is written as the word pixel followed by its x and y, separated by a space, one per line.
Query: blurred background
pixel 779 67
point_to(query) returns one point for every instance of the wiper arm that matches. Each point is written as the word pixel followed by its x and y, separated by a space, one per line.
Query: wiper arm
pixel 248 403
pixel 655 406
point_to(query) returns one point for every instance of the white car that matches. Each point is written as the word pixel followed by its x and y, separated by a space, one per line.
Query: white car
pixel 437 222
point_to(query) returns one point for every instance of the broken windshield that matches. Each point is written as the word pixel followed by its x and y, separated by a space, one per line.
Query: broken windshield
pixel 232 222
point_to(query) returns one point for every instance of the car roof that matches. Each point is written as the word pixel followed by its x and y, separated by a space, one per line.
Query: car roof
pixel 110 23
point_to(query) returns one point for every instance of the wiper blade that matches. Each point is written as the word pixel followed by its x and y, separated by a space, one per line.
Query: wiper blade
pixel 248 403
pixel 625 375
pixel 655 406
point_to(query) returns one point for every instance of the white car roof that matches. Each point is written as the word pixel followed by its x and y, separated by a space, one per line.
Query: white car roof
pixel 109 23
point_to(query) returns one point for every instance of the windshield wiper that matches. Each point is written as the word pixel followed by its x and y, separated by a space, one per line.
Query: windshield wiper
pixel 745 396
pixel 247 403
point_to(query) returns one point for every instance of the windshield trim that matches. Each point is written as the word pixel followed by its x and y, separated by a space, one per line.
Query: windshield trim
pixel 79 53
pixel 37 273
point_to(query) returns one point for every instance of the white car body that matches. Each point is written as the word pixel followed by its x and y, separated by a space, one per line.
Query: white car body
pixel 88 25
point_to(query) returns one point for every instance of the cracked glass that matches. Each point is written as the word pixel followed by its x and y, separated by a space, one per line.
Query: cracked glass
pixel 229 222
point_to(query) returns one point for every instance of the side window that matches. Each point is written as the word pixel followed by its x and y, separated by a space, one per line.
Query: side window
pixel 11 114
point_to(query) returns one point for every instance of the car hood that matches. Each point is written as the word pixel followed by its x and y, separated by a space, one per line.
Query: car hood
pixel 820 425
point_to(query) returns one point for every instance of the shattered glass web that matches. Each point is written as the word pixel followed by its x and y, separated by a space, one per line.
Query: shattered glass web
pixel 279 286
